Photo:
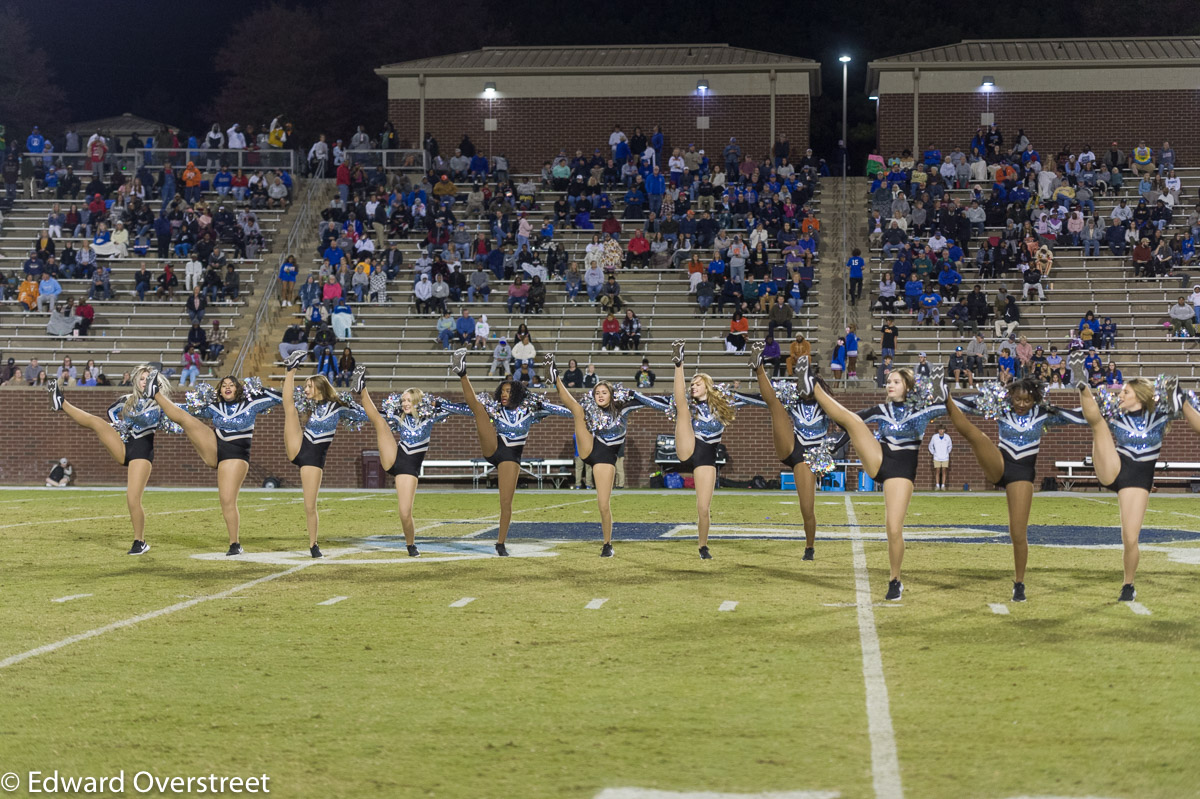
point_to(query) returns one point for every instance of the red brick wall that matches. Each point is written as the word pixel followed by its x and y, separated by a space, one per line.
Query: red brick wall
pixel 1049 119
pixel 533 130
pixel 26 459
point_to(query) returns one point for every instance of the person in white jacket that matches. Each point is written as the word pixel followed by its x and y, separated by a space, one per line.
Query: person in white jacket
pixel 193 272
pixel 939 447
pixel 235 139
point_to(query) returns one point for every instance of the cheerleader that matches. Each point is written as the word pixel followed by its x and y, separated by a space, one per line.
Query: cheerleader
pixel 1021 419
pixel 502 422
pixel 1190 412
pixel 600 429
pixel 698 431
pixel 308 446
pixel 128 435
pixel 891 459
pixel 797 425
pixel 1125 449
pixel 412 414
pixel 226 445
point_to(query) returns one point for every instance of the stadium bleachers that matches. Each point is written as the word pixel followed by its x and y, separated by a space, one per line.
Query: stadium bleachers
pixel 1103 284
pixel 126 331
pixel 401 348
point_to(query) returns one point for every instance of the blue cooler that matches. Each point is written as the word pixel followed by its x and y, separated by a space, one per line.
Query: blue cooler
pixel 834 481
pixel 787 481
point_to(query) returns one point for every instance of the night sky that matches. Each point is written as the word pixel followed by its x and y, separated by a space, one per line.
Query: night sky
pixel 158 59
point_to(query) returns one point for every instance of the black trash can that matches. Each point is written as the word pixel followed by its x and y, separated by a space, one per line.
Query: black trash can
pixel 372 469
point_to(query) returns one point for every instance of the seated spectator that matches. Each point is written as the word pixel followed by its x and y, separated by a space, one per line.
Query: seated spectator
pixel 1141 256
pixel 537 295
pixel 610 332
pixel 1108 334
pixel 501 359
pixel 611 298
pixel 639 249
pixel 772 356
pixel 976 354
pixel 800 348
pixel 739 327
pixel 464 329
pixel 61 475
pixel 631 332
pixel 479 284
pixel 198 339
pixel 345 368
pixel 572 376
pixel 781 315
pixel 704 294
pixel 930 302
pixel 191 367
pixel 956 369
pixel 422 295
pixel 1182 317
pixel 48 292
pixel 1006 366
pixel 166 282
pixel 216 341
pixel 1032 282
pixel 62 322
pixel 342 319
pixel 518 294
pixel 446 329
pixel 644 377
pixel 294 340
pixel 524 354
pixel 196 306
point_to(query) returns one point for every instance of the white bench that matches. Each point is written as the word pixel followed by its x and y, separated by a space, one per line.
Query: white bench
pixel 1088 475
pixel 557 470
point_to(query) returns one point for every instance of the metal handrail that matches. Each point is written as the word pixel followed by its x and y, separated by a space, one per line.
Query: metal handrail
pixel 301 227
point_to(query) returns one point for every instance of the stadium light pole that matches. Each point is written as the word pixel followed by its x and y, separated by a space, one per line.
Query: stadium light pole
pixel 845 221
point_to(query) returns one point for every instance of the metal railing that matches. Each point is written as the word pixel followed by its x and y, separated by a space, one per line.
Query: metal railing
pixel 302 226
pixel 388 160
pixel 130 161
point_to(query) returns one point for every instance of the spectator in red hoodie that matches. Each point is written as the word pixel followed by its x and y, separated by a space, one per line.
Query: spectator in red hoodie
pixel 639 249
pixel 343 182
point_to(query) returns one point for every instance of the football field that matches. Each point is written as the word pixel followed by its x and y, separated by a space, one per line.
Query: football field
pixel 555 673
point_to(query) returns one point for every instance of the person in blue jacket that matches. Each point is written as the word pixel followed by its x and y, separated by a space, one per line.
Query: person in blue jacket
pixel 948 281
pixel 855 267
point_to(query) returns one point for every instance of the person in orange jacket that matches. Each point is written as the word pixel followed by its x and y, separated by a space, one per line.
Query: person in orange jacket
pixel 191 177
pixel 27 293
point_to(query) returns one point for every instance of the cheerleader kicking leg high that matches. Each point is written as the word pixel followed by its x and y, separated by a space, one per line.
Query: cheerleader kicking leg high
pixel 389 451
pixel 137 455
pixel 590 450
pixel 790 452
pixel 507 460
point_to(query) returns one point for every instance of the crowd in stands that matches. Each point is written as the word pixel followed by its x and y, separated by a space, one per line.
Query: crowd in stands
pixel 743 229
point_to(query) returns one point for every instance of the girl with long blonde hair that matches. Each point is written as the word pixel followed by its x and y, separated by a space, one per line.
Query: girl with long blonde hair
pixel 701 411
pixel 412 414
pixel 128 435
pixel 1125 448
pixel 892 458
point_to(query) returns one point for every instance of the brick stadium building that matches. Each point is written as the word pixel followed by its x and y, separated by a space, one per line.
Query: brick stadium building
pixel 1073 91
pixel 529 102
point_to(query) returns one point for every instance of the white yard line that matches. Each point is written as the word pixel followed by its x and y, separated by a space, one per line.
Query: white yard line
pixel 559 505
pixel 69 598
pixel 334 600
pixel 1113 504
pixel 728 605
pixel 885 763
pixel 1138 608
pixel 595 604
pixel 462 603
pixel 12 660
pixel 998 609
pixel 112 516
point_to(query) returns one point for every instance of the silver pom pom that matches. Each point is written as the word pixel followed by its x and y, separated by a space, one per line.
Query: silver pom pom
pixel 598 419
pixel 670 412
pixel 1109 402
pixel 427 408
pixel 303 403
pixel 1193 400
pixel 785 392
pixel 820 459
pixel 392 405
pixel 253 387
pixel 992 401
pixel 489 404
pixel 122 428
pixel 1162 391
pixel 921 397
pixel 165 425
pixel 196 401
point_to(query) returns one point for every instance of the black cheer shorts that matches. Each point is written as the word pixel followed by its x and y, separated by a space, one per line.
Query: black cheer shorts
pixel 312 454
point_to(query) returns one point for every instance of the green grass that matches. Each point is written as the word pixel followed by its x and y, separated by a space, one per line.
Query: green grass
pixel 524 693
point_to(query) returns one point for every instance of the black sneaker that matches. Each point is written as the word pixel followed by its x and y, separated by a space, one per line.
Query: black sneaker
pixel 940 390
pixel 315 551
pixel 756 355
pixel 551 369
pixel 501 550
pixel 705 554
pixel 1128 594
pixel 293 361
pixel 1018 592
pixel 413 552
pixel 808 553
pixel 56 395
pixel 234 549
pixel 360 379
pixel 1173 395
pixel 151 384
pixel 895 590
pixel 606 551
pixel 139 548
pixel 458 361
